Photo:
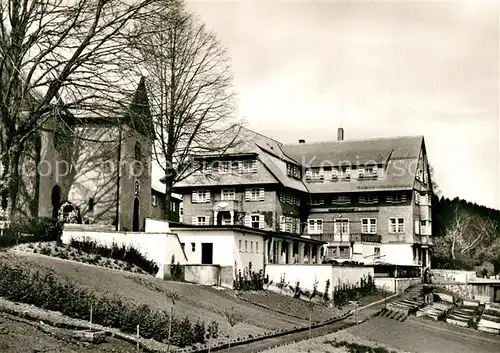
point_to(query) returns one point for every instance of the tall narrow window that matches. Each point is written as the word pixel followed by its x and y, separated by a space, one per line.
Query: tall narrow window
pixel 91 204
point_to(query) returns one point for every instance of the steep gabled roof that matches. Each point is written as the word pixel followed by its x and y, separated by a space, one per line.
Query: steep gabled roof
pixel 398 156
pixel 138 115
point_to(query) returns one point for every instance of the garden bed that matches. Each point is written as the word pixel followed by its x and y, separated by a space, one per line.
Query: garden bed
pixel 67 252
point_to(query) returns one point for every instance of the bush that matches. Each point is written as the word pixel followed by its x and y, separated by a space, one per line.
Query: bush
pixel 249 279
pixel 129 254
pixel 344 293
pixel 48 292
pixel 26 231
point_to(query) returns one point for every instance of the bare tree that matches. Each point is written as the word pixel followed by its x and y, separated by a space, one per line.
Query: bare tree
pixel 466 233
pixel 189 79
pixel 60 59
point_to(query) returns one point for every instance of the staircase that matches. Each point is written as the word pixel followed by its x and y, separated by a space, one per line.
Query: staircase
pixel 489 320
pixel 395 315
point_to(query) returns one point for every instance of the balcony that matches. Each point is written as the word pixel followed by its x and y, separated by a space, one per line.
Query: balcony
pixel 365 238
pixel 231 205
pixel 423 239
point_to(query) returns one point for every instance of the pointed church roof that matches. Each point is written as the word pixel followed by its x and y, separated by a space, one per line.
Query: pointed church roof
pixel 138 115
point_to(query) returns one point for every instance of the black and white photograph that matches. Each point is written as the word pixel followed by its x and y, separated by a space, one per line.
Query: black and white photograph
pixel 243 176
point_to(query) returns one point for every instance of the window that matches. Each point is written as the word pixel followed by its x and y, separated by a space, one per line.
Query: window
pixel 249 166
pixel 317 173
pixel 193 247
pixel 293 170
pixel 239 244
pixel 137 187
pixel 315 226
pixel 369 172
pixel 173 206
pixel 91 204
pixel 315 201
pixel 376 253
pixel 228 194
pixel 153 200
pixel 246 245
pixel 289 222
pixel 425 227
pixel 251 246
pixel 200 220
pixel 341 200
pixel 335 173
pixel 341 226
pixel 344 252
pixel 255 221
pixel 369 225
pixel 396 225
pixel 137 151
pixel 396 198
pixel 206 167
pixel 368 199
pixel 224 167
pixel 201 196
pixel 254 194
pixel 257 247
pixel 345 173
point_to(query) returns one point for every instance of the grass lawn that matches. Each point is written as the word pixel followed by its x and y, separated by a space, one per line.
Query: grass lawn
pixel 339 342
pixel 67 252
pixel 17 337
pixel 191 300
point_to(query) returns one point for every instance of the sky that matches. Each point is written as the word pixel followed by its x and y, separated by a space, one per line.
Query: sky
pixel 303 69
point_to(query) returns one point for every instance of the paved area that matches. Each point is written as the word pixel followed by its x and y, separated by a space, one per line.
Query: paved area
pixel 423 336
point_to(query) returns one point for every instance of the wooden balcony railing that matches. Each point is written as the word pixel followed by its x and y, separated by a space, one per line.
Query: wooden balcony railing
pixel 366 238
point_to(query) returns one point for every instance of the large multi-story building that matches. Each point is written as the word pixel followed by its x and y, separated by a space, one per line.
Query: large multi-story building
pixel 370 199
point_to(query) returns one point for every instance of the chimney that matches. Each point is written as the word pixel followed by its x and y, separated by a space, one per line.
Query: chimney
pixel 302 141
pixel 340 134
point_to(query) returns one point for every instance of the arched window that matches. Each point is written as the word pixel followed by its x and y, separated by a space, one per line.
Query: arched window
pixel 138 151
pixel 137 187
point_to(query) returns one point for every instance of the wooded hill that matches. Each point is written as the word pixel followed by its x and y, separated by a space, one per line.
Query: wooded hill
pixel 467 235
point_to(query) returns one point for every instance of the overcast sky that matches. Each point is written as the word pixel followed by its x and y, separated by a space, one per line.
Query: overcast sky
pixel 377 69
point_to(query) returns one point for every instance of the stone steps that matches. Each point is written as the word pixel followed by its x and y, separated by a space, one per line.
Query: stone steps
pixel 394 315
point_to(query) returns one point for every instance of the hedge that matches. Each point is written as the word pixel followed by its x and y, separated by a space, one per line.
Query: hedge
pixel 32 230
pixel 128 254
pixel 46 291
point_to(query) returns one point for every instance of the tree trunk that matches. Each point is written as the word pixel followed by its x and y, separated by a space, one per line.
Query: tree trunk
pixel 168 198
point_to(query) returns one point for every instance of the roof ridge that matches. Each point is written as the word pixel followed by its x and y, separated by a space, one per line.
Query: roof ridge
pixel 260 134
pixel 354 140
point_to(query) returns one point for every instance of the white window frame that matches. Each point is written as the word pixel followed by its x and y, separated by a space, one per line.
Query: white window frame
pixel 201 196
pixel 224 167
pixel 345 172
pixel 249 166
pixel 255 219
pixel 375 251
pixel 314 226
pixel 369 226
pixel 255 194
pixel 341 200
pixel 398 226
pixel 368 199
pixel 201 222
pixel 228 195
pixel 288 224
pixel 341 224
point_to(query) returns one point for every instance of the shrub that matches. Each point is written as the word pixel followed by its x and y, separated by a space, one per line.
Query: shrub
pixel 42 229
pixel 129 254
pixel 176 272
pixel 249 279
pixel 48 292
pixel 343 293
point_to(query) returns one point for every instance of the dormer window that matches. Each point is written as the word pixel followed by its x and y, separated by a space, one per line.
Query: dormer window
pixel 345 173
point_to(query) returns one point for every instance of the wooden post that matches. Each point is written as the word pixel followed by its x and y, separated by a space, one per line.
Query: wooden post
pixel 90 322
pixel 138 338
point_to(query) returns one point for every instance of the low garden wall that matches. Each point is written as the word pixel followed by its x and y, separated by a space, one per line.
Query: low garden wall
pixel 307 274
pixel 452 276
pixel 207 275
pixel 396 285
pixel 158 247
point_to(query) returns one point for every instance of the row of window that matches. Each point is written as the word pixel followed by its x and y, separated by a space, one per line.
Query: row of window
pixel 290 224
pixel 246 249
pixel 343 252
pixel 293 171
pixel 368 226
pixel 343 172
pixel 362 199
pixel 204 196
pixel 245 166
pixel 290 198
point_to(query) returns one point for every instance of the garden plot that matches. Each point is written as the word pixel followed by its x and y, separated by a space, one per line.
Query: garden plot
pixel 435 311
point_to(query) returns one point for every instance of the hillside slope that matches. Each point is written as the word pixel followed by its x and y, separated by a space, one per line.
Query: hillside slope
pixel 191 300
